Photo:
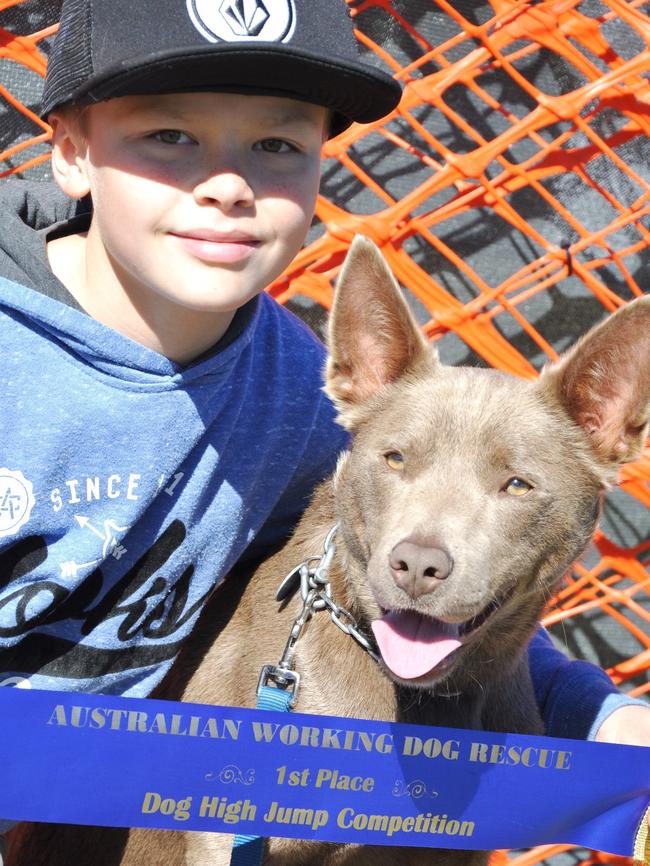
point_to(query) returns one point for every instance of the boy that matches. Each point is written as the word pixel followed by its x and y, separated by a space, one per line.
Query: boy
pixel 163 416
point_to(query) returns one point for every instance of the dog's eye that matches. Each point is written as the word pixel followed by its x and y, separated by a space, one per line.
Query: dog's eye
pixel 517 487
pixel 394 460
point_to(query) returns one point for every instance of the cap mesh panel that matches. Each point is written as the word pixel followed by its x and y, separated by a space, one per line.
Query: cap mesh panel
pixel 70 63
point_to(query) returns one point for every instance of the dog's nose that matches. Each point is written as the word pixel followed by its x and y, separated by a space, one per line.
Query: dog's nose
pixel 418 569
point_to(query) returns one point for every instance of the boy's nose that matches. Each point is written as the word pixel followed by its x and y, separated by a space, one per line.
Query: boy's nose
pixel 226 190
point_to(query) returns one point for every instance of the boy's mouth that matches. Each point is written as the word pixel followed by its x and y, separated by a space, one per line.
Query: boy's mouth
pixel 216 247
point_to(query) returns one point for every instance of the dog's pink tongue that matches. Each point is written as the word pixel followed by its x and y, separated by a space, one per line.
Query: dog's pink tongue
pixel 411 645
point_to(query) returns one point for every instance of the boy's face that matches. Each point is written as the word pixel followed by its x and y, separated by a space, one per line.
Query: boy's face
pixel 200 201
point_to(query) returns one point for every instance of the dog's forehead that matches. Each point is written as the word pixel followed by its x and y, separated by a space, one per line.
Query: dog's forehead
pixel 471 394
pixel 472 408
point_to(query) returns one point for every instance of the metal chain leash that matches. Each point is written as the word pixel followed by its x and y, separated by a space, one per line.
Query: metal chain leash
pixel 316 593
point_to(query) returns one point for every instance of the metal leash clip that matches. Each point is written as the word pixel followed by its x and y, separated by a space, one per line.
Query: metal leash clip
pixel 283 675
pixel 283 679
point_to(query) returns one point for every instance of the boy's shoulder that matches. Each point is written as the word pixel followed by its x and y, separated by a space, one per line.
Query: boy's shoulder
pixel 282 334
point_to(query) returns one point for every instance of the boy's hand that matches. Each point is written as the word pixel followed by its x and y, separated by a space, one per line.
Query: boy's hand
pixel 629 726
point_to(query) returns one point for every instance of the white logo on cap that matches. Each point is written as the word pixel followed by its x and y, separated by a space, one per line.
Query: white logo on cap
pixel 243 20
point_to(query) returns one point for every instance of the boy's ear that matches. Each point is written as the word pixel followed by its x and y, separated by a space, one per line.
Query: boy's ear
pixel 373 336
pixel 68 154
pixel 604 383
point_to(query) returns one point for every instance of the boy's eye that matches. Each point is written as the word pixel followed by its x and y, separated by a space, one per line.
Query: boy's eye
pixel 172 136
pixel 275 145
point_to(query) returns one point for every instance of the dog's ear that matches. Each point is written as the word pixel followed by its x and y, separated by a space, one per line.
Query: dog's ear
pixel 373 336
pixel 604 383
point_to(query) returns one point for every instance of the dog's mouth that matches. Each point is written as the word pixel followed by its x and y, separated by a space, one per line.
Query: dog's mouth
pixel 413 645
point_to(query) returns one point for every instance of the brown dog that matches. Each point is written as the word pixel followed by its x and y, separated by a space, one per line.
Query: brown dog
pixel 464 500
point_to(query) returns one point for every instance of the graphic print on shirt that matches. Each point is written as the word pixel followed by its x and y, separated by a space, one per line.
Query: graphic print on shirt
pixel 16 501
pixel 110 536
pixel 76 492
pixel 131 616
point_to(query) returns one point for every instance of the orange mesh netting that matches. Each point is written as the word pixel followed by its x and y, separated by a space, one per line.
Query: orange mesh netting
pixel 510 193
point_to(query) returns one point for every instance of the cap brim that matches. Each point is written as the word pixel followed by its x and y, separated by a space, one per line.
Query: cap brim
pixel 354 92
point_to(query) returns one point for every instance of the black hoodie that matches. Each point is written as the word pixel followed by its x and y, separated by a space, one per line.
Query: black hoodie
pixel 31 213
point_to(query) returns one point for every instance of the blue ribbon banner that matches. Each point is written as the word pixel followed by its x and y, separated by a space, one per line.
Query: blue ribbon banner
pixel 126 762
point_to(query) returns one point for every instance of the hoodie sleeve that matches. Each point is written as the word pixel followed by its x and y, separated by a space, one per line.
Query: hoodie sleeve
pixel 574 697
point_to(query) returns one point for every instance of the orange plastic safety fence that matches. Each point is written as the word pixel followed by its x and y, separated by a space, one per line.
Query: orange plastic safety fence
pixel 23 50
pixel 496 191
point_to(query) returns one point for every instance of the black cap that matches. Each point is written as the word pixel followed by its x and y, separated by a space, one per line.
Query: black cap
pixel 303 49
